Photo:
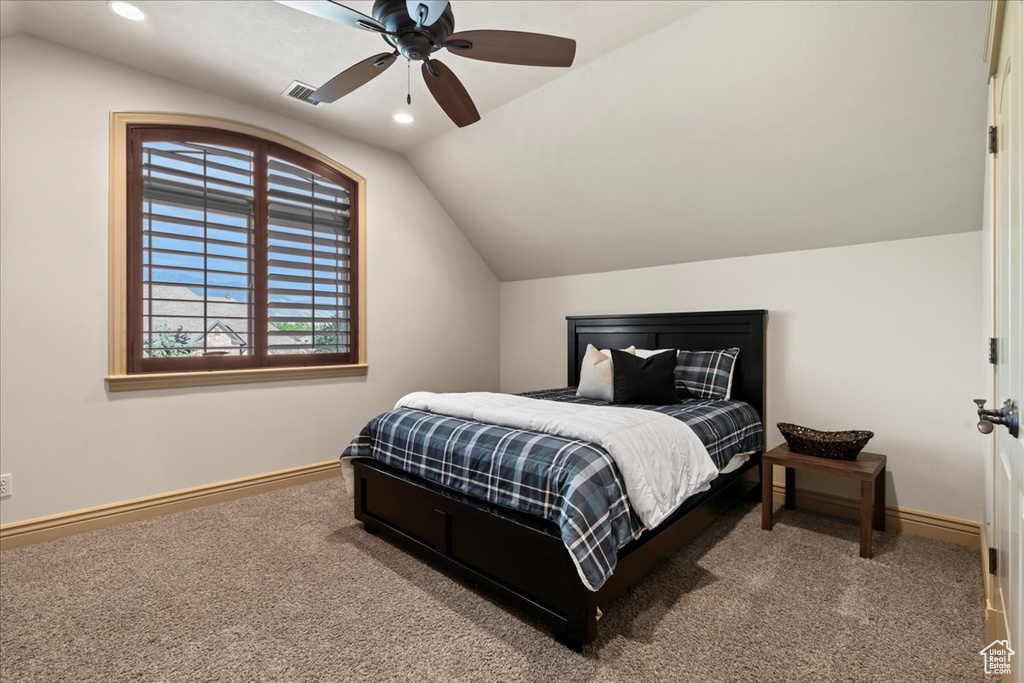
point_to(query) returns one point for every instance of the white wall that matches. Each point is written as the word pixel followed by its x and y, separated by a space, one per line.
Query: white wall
pixel 433 305
pixel 880 336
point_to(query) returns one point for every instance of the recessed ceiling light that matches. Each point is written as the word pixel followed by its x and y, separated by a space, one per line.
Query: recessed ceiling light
pixel 126 10
pixel 402 117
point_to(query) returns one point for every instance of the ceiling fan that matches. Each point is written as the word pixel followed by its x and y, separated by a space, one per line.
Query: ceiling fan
pixel 416 29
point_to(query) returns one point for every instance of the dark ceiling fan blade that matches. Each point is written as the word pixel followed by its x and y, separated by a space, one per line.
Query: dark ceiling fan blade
pixel 426 12
pixel 449 93
pixel 353 77
pixel 513 47
pixel 336 12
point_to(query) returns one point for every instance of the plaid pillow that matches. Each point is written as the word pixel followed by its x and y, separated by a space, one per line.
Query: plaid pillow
pixel 706 374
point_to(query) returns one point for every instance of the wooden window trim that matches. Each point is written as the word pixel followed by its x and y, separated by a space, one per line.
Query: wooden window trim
pixel 118 377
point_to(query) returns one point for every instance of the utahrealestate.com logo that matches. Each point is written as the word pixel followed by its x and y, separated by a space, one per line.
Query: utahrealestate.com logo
pixel 997 657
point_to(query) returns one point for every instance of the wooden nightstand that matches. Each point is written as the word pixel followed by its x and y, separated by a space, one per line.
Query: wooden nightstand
pixel 869 468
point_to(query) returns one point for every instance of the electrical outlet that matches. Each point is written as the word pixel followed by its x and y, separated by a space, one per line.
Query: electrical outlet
pixel 5 485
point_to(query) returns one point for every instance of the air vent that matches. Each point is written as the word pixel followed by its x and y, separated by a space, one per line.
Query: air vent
pixel 300 91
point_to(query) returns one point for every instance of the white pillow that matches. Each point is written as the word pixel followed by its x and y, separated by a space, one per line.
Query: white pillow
pixel 597 381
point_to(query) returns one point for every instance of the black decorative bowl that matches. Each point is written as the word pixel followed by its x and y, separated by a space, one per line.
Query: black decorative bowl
pixel 836 445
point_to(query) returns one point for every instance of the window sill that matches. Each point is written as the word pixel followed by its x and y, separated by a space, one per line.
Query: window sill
pixel 173 380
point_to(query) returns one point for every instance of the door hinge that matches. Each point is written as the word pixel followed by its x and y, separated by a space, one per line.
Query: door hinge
pixel 993 353
pixel 993 139
pixel 992 555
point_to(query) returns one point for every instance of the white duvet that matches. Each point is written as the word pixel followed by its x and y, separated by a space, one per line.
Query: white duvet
pixel 661 460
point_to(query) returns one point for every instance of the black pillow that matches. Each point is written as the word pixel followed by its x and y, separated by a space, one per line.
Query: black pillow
pixel 644 380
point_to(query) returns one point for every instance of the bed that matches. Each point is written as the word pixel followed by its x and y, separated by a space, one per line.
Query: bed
pixel 519 554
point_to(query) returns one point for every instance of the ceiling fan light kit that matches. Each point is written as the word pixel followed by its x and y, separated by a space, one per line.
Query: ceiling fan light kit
pixel 416 29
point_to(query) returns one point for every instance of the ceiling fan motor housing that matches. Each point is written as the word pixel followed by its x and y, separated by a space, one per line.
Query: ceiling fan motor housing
pixel 412 42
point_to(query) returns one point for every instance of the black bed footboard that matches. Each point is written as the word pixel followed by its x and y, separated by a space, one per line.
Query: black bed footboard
pixel 520 557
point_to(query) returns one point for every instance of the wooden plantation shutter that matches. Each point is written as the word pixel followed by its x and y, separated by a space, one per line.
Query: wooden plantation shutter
pixel 309 281
pixel 240 254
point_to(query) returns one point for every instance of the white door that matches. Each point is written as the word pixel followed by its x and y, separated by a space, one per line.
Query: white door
pixel 1008 475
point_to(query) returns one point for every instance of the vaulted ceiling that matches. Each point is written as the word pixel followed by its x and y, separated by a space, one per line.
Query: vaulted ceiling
pixel 685 130
pixel 745 128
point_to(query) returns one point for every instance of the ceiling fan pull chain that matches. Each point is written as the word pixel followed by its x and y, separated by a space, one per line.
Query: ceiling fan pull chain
pixel 408 82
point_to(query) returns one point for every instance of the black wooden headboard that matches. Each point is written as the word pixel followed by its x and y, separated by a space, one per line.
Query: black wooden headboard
pixel 689 331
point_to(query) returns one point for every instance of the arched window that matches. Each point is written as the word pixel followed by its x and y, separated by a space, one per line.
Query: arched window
pixel 242 255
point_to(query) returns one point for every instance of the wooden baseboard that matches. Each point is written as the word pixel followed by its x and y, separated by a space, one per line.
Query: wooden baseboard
pixel 915 522
pixel 18 534
pixel 27 532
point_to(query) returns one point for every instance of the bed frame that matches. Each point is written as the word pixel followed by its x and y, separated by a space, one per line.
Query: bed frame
pixel 521 557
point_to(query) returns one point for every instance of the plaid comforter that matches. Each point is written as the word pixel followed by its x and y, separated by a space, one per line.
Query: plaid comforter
pixel 574 484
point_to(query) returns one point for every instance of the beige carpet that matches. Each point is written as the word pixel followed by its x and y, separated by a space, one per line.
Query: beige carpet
pixel 288 587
